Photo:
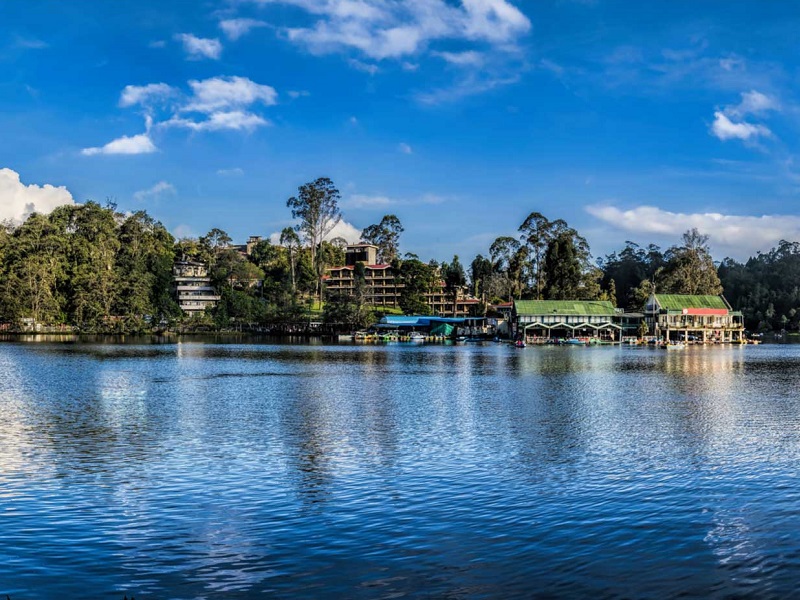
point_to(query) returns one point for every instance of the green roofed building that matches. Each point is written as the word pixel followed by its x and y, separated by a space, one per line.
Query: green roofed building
pixel 543 320
pixel 705 319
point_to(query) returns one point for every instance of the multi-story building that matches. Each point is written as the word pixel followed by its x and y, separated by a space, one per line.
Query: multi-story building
pixel 382 287
pixel 693 318
pixel 193 287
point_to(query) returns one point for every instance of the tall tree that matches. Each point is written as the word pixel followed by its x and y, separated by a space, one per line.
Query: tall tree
pixel 386 236
pixel 416 280
pixel 563 267
pixel 536 232
pixel 690 268
pixel 317 207
pixel 454 280
pixel 291 242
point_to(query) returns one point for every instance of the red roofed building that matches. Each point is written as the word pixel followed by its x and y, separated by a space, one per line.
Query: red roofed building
pixel 383 289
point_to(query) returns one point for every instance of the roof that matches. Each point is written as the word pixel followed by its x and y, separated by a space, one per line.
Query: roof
pixel 564 307
pixel 681 301
pixel 424 320
pixel 351 267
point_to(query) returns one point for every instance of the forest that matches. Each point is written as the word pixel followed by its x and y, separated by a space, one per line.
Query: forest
pixel 92 268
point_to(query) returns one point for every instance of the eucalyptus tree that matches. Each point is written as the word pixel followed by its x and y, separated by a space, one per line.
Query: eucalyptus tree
pixel 386 236
pixel 317 207
pixel 290 240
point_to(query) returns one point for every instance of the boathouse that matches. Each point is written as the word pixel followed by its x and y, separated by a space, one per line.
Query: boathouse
pixel 544 320
pixel 702 319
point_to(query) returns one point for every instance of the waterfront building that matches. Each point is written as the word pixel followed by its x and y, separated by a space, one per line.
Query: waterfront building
pixel 383 290
pixel 193 287
pixel 543 320
pixel 705 319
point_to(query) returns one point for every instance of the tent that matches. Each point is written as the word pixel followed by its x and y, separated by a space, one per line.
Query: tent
pixel 444 329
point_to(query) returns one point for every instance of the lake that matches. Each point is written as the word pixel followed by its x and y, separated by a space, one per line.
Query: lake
pixel 234 470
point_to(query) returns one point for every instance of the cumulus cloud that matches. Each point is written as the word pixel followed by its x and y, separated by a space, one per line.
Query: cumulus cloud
pixel 236 28
pixel 137 144
pixel 729 122
pixel 197 48
pixel 218 93
pixel 145 94
pixel 469 58
pixel 739 235
pixel 154 193
pixel 18 201
pixel 343 229
pixel 381 30
pixel 725 129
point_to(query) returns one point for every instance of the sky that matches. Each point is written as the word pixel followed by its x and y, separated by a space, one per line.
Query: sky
pixel 629 120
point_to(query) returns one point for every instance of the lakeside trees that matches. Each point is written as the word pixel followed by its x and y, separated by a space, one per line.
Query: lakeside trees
pixel 88 266
pixel 94 268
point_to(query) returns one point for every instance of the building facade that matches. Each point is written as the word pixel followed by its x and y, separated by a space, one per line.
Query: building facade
pixel 383 289
pixel 193 287
pixel 704 319
pixel 545 320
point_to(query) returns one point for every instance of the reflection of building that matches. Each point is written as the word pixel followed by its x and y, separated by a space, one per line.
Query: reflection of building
pixel 381 287
pixel 698 318
pixel 546 319
pixel 193 286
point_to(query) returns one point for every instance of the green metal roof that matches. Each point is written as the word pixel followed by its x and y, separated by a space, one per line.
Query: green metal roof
pixel 564 307
pixel 679 302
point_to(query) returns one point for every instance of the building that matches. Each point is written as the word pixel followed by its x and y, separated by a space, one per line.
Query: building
pixel 193 287
pixel 543 320
pixel 705 319
pixel 382 288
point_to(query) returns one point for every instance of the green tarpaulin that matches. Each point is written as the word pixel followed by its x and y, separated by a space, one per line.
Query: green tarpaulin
pixel 444 329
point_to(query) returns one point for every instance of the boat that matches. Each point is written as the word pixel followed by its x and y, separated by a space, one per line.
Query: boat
pixel 519 344
pixel 575 342
pixel 674 346
pixel 416 337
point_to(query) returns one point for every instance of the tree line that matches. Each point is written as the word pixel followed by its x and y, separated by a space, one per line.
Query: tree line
pixel 94 268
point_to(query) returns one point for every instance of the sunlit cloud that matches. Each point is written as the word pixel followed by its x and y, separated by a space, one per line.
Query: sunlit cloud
pixel 739 235
pixel 18 201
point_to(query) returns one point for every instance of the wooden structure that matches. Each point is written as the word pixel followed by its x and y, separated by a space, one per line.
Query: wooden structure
pixel 543 320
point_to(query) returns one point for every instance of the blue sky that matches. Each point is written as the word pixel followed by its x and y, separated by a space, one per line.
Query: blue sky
pixel 629 120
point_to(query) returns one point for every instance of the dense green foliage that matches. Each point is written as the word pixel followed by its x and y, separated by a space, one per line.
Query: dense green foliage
pixel 89 267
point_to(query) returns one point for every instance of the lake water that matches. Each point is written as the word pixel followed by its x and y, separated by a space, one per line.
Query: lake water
pixel 201 470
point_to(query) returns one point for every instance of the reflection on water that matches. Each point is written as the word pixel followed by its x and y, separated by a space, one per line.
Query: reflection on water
pixel 225 470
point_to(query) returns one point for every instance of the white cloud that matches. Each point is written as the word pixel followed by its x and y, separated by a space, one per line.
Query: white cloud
pixel 198 48
pixel 365 201
pixel 405 148
pixel 235 120
pixel 137 144
pixel 236 28
pixel 219 93
pixel 380 29
pixel 469 58
pixel 739 235
pixel 155 192
pixel 234 172
pixel 18 201
pixel 753 102
pixel 729 124
pixel 183 231
pixel 145 94
pixel 294 94
pixel 343 229
pixel 725 129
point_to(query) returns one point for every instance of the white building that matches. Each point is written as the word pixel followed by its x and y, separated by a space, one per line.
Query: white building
pixel 193 287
